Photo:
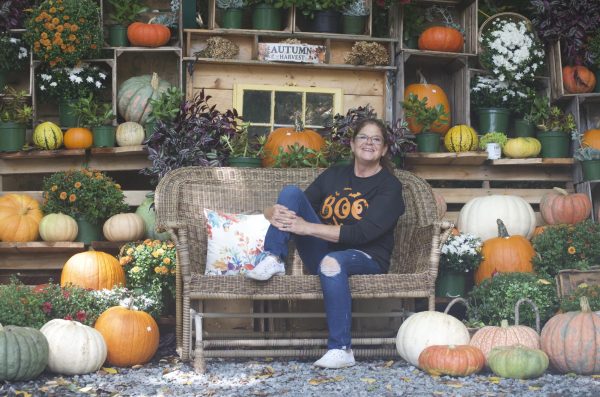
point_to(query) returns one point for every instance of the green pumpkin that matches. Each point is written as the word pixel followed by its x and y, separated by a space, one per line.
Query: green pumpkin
pixel 146 211
pixel 23 353
pixel 133 99
pixel 517 362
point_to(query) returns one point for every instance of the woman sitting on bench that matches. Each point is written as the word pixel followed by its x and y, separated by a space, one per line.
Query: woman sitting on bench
pixel 343 224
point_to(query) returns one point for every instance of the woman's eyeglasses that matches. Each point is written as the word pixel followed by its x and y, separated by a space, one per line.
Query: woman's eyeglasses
pixel 375 140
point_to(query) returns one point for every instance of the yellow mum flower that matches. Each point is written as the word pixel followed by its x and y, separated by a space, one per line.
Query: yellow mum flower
pixel 54 188
pixel 135 269
pixel 63 195
pixel 129 250
pixel 571 250
pixel 125 260
pixel 157 270
pixel 167 261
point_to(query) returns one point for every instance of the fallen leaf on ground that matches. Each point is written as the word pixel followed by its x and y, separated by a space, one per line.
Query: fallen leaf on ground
pixel 86 389
pixel 22 393
pixel 137 366
pixel 368 380
pixel 406 379
pixel 388 364
pixel 266 372
pixel 320 381
pixel 453 384
pixel 110 370
pixel 494 379
pixel 534 388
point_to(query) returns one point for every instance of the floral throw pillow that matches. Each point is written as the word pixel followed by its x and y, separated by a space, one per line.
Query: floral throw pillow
pixel 235 241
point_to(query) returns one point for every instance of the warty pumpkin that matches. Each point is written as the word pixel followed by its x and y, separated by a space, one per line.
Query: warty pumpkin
pixel 591 138
pixel 78 138
pixel 20 217
pixel 504 254
pixel 522 147
pixel 517 362
pixel 560 206
pixel 578 79
pixel 134 95
pixel 75 348
pixel 23 353
pixel 452 360
pixel 93 269
pixel 148 214
pixel 130 133
pixel 148 34
pixel 435 96
pixel 58 227
pixel 288 136
pixel 478 216
pixel 124 227
pixel 47 136
pixel 441 38
pixel 461 138
pixel 572 341
pixel 131 335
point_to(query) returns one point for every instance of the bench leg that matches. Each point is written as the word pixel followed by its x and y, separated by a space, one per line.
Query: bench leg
pixel 199 360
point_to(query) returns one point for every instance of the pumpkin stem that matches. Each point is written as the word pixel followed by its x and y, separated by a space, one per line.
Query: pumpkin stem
pixel 298 124
pixel 154 81
pixel 502 232
pixel 422 79
pixel 584 304
pixel 504 323
pixel 561 191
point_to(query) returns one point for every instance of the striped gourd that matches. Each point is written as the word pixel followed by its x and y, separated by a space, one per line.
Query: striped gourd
pixel 461 138
pixel 133 99
pixel 47 136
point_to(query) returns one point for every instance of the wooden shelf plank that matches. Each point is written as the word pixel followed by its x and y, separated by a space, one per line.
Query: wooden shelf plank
pixel 284 34
pixel 408 52
pixel 535 161
pixel 42 154
pixel 37 247
pixel 462 158
pixel 462 195
pixel 132 197
pixel 120 151
pixel 290 64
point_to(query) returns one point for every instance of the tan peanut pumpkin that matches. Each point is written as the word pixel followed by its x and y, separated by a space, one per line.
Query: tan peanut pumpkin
pixel 124 227
pixel 560 206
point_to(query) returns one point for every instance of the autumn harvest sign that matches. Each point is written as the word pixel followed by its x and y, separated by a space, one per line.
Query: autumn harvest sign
pixel 283 52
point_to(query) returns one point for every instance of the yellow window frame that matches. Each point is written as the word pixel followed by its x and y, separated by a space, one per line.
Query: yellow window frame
pixel 238 99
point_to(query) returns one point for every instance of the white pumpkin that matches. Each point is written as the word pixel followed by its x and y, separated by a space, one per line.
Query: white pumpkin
pixel 426 329
pixel 124 227
pixel 130 133
pixel 75 348
pixel 58 227
pixel 478 216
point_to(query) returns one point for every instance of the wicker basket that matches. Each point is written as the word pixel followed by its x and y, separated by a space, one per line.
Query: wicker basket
pixel 512 16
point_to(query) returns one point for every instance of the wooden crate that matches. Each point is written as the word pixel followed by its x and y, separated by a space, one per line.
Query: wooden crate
pixel 568 280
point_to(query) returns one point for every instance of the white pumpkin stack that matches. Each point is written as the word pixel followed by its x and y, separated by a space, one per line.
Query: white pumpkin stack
pixel 130 133
pixel 124 227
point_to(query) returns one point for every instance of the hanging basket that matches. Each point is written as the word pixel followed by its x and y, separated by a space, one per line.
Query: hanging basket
pixel 511 16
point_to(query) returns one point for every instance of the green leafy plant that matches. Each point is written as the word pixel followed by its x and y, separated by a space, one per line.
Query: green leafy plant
pixel 20 305
pixel 274 3
pixel 298 156
pixel 423 115
pixel 91 114
pixel 494 299
pixel 241 144
pixel 12 13
pixel 461 253
pixel 492 137
pixel 557 120
pixel 570 303
pixel 227 4
pixel 413 22
pixel 539 111
pixel 166 106
pixel 308 7
pixel 442 14
pixel 593 47
pixel 566 247
pixel 13 54
pixel 14 107
pixel 125 12
pixel 83 193
pixel 583 153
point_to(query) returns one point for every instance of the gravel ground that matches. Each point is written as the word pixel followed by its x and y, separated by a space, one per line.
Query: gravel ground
pixel 166 375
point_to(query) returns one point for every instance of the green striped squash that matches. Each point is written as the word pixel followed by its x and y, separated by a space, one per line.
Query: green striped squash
pixel 47 136
pixel 461 138
pixel 23 353
pixel 133 99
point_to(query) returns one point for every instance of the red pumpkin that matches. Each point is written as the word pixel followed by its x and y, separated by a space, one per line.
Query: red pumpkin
pixel 453 360
pixel 435 96
pixel 578 79
pixel 78 138
pixel 559 206
pixel 504 254
pixel 148 34
pixel 288 136
pixel 591 138
pixel 441 38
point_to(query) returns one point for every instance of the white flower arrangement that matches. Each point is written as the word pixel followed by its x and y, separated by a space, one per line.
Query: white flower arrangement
pixel 511 51
pixel 13 54
pixel 120 296
pixel 489 92
pixel 461 253
pixel 71 83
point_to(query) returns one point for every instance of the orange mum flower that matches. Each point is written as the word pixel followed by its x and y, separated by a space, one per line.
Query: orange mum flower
pixel 55 21
pixel 52 10
pixel 74 28
pixel 571 250
pixel 44 35
pixel 66 17
pixel 167 261
pixel 60 28
pixel 78 184
pixel 72 37
pixel 72 198
pixel 63 195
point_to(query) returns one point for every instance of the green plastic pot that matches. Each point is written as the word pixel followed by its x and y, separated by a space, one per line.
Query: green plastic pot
pixel 117 36
pixel 451 284
pixel 66 116
pixel 326 21
pixel 428 142
pixel 555 144
pixel 245 162
pixel 188 12
pixel 104 136
pixel 523 129
pixel 266 17
pixel 591 170
pixel 353 24
pixel 231 18
pixel 87 231
pixel 493 120
pixel 12 136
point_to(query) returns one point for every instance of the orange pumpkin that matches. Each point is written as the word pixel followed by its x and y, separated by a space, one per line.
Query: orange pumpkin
pixel 131 336
pixel 558 206
pixel 441 38
pixel 504 254
pixel 20 217
pixel 591 138
pixel 578 79
pixel 453 360
pixel 572 341
pixel 288 136
pixel 148 34
pixel 78 138
pixel 93 269
pixel 435 96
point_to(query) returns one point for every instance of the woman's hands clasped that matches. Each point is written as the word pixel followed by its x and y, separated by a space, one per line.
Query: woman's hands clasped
pixel 287 220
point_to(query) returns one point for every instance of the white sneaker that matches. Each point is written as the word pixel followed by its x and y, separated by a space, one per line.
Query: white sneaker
pixel 336 358
pixel 268 267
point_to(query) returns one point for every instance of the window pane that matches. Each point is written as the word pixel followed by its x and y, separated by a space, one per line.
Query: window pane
pixel 286 104
pixel 257 106
pixel 256 130
pixel 319 108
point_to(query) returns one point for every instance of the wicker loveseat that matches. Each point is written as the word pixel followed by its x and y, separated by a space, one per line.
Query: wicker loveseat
pixel 180 199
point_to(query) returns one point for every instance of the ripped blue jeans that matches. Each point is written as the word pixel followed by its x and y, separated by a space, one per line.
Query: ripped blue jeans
pixel 333 267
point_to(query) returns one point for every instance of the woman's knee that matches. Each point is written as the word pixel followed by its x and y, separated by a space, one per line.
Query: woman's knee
pixel 290 192
pixel 330 266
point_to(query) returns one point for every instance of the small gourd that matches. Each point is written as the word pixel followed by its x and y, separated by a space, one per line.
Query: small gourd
pixel 58 227
pixel 130 133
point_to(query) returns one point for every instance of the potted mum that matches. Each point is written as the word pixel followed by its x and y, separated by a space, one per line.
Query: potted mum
pixel 425 116
pixel 460 257
pixel 88 196
pixel 13 56
pixel 491 99
pixel 15 116
pixel 66 85
pixel 98 117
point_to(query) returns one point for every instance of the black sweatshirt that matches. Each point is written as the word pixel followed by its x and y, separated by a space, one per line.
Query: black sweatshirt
pixel 367 208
